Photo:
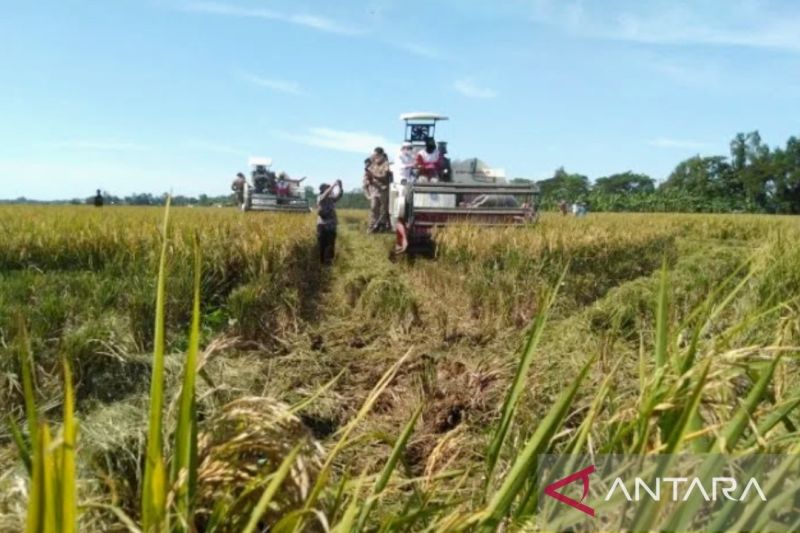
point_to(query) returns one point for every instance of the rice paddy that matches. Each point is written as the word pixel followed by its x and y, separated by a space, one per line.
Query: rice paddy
pixel 204 373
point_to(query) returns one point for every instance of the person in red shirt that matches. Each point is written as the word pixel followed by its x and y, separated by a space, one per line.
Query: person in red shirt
pixel 282 187
pixel 429 162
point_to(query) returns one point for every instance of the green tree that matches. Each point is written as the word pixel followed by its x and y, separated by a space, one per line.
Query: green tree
pixel 564 186
pixel 354 199
pixel 786 177
pixel 704 177
pixel 310 194
pixel 753 168
pixel 624 183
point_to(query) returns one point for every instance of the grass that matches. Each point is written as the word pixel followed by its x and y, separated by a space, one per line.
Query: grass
pixel 52 501
pixel 388 397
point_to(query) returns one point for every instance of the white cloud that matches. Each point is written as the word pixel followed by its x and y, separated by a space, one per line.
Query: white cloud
pixel 469 89
pixel 724 23
pixel 219 8
pixel 96 145
pixel 205 146
pixel 422 50
pixel 283 86
pixel 666 142
pixel 322 24
pixel 299 19
pixel 315 22
pixel 688 75
pixel 345 141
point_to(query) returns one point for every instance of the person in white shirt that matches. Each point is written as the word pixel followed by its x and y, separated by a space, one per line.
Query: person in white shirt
pixel 405 163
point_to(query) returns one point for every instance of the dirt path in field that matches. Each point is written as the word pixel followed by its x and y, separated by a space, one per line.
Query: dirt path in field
pixel 372 313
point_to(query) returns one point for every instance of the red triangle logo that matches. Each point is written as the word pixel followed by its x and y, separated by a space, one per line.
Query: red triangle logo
pixel 552 489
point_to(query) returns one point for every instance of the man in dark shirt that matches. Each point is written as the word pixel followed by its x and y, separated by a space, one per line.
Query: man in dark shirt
pixel 327 221
pixel 98 199
pixel 445 166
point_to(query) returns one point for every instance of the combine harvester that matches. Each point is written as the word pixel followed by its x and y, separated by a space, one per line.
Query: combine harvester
pixel 476 194
pixel 268 192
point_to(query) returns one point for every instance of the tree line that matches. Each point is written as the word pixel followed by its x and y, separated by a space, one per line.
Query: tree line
pixel 133 199
pixel 753 178
pixel 350 200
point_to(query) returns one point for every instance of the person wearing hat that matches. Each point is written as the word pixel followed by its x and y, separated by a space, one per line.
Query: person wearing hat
pixel 377 178
pixel 327 220
pixel 238 185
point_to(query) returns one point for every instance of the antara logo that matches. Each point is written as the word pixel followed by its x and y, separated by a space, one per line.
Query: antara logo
pixel 682 488
pixel 726 486
pixel 552 490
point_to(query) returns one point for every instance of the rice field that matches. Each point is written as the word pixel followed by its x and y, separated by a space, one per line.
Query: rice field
pixel 201 372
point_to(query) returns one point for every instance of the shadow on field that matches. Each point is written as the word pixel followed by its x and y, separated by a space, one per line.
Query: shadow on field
pixel 425 251
pixel 312 282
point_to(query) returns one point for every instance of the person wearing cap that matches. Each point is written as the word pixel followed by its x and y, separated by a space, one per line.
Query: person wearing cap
pixel 428 162
pixel 405 163
pixel 238 185
pixel 377 178
pixel 327 220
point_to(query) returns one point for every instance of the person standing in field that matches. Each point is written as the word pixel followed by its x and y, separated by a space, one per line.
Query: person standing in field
pixel 238 185
pixel 98 199
pixel 377 178
pixel 327 221
pixel 562 206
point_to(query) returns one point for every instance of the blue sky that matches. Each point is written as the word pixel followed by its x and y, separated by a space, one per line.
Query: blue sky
pixel 158 95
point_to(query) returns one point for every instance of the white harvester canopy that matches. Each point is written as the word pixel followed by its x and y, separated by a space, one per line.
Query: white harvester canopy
pixel 422 117
pixel 420 126
pixel 260 162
